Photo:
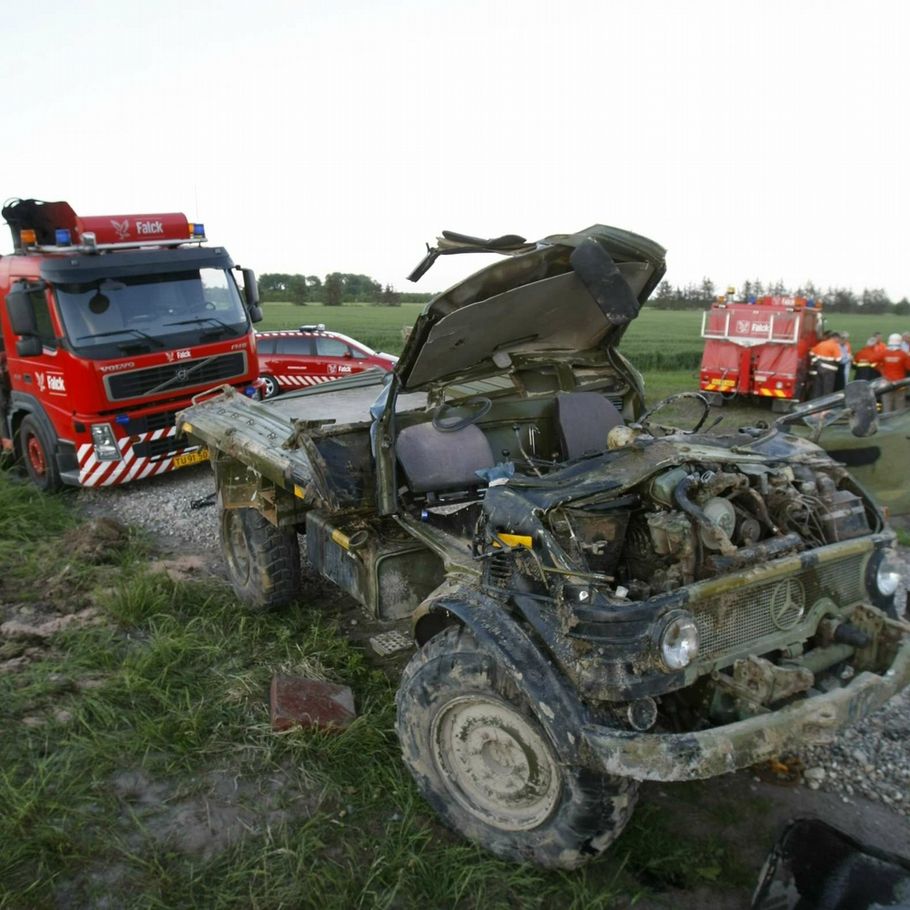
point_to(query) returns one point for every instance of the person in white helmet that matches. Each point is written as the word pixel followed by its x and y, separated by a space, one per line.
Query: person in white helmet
pixel 894 364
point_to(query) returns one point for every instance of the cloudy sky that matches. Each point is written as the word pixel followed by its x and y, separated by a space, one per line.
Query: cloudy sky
pixel 764 140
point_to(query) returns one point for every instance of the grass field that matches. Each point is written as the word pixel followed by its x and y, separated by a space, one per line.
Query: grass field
pixel 138 767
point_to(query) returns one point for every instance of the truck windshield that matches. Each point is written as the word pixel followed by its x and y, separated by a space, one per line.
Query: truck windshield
pixel 137 314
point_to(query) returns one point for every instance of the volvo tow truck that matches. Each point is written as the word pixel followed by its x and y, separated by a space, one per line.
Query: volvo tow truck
pixel 109 325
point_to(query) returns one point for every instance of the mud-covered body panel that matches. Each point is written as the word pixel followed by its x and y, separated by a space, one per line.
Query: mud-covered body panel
pixel 699 598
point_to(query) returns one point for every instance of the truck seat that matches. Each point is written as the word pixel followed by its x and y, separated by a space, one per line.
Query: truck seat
pixel 436 462
pixel 584 419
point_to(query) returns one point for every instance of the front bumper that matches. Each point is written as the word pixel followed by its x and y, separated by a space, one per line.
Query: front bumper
pixel 707 753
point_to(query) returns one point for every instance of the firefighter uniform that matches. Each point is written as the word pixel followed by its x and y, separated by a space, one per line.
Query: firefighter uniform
pixel 825 358
pixel 864 359
pixel 894 364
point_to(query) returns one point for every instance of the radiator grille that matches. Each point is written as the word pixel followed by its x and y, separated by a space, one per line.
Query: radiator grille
pixel 739 621
pixel 163 420
pixel 162 447
pixel 170 376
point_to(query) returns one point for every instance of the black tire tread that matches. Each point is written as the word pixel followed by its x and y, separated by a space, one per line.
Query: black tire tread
pixel 595 808
pixel 274 553
pixel 51 481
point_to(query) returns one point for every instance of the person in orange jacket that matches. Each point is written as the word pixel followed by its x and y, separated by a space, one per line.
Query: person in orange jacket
pixel 825 359
pixel 864 358
pixel 894 364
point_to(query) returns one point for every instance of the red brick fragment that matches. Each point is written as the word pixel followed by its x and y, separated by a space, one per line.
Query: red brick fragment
pixel 310 703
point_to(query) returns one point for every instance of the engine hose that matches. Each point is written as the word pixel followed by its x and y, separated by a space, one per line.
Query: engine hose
pixel 680 494
pixel 761 508
pixel 760 552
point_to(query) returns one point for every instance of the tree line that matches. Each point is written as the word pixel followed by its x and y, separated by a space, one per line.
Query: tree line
pixel 835 299
pixel 337 288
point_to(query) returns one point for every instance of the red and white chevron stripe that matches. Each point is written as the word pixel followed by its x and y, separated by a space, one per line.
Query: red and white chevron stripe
pixel 294 382
pixel 94 473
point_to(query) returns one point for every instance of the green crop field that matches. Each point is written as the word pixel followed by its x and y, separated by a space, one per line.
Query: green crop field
pixel 379 327
pixel 665 345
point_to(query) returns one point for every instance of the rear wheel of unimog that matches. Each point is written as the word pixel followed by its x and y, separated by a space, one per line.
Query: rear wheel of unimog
pixel 485 764
pixel 269 386
pixel 38 455
pixel 263 561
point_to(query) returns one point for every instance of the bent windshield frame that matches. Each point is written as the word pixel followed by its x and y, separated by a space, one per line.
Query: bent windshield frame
pixel 116 317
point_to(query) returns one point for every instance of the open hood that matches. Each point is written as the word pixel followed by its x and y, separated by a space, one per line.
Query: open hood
pixel 563 294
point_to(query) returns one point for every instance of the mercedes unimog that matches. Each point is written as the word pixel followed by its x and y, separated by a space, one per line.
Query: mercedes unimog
pixel 596 596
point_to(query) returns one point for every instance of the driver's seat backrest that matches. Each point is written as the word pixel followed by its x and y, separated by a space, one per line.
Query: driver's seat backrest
pixel 434 461
pixel 584 419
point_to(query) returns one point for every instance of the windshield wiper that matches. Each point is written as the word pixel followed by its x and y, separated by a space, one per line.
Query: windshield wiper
pixel 141 334
pixel 227 328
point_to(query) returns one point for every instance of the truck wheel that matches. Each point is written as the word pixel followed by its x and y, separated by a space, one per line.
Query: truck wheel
pixel 263 561
pixel 38 454
pixel 484 763
pixel 269 386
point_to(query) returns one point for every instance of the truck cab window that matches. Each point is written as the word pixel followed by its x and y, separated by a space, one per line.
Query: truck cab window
pixel 43 318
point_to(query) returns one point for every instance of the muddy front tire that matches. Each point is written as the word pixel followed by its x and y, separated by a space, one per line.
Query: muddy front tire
pixel 38 455
pixel 263 561
pixel 484 763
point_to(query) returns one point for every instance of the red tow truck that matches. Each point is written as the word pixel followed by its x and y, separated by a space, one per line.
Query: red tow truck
pixel 110 325
pixel 760 348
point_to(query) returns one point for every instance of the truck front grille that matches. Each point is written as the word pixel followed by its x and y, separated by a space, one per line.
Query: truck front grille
pixel 739 622
pixel 186 374
pixel 164 446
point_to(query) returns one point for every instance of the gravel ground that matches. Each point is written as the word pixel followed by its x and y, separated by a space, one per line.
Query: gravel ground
pixel 163 506
pixel 870 760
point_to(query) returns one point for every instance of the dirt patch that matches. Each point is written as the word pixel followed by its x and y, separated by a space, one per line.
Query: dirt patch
pixel 189 567
pixel 227 807
pixel 97 541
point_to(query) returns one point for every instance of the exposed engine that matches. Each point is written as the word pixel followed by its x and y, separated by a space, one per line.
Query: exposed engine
pixel 692 521
pixel 699 521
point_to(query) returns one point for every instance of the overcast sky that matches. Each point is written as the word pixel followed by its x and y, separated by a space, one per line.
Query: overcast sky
pixel 761 140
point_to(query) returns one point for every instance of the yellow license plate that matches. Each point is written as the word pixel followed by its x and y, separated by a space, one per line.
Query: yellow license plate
pixel 182 461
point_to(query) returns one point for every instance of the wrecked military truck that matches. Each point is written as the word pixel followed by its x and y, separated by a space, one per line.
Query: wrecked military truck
pixel 597 597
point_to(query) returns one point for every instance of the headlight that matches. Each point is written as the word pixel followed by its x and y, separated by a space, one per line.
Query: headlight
pixel 106 448
pixel 888 574
pixel 678 640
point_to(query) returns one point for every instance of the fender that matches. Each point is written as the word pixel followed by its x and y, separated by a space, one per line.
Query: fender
pixel 552 698
pixel 22 403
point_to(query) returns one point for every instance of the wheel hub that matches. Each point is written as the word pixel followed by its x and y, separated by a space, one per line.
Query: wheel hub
pixel 36 456
pixel 495 762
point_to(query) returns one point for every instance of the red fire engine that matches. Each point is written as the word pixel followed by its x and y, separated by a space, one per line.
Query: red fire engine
pixel 760 348
pixel 108 326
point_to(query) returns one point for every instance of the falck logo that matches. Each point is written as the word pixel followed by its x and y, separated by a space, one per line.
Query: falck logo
pixel 121 228
pixel 42 385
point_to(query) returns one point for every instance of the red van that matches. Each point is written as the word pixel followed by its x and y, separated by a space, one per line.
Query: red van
pixel 294 358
